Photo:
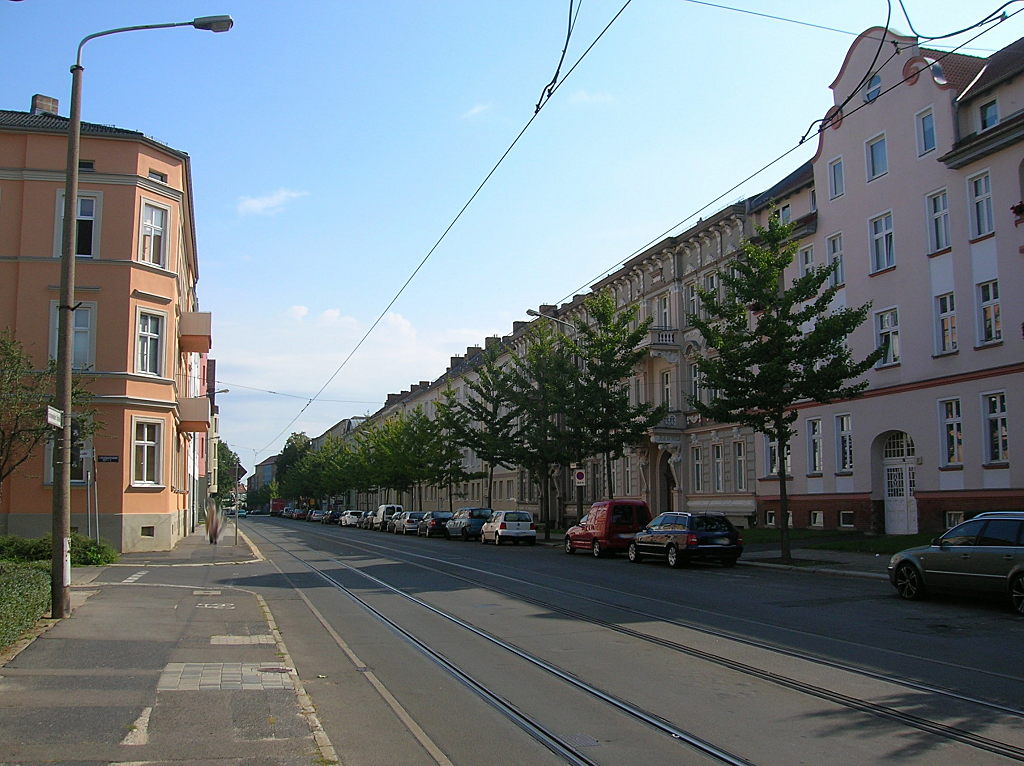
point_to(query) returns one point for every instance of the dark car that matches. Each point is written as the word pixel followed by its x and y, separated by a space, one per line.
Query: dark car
pixel 608 527
pixel 684 537
pixel 466 523
pixel 984 555
pixel 332 517
pixel 433 524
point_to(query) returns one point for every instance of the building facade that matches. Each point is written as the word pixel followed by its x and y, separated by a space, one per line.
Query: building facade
pixel 140 341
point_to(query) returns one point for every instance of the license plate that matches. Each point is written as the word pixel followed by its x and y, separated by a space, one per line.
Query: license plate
pixel 721 541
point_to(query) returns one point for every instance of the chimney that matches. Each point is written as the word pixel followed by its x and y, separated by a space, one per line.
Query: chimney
pixel 546 308
pixel 472 351
pixel 456 360
pixel 517 326
pixel 492 342
pixel 44 104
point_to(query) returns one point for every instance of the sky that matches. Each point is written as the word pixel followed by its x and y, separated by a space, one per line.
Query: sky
pixel 333 144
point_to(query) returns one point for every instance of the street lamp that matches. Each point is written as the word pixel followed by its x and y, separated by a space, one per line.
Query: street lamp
pixel 535 313
pixel 60 580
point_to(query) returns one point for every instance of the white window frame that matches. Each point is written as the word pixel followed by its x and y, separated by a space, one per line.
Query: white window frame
pixel 79 475
pixel 144 353
pixel 692 301
pixel 717 468
pixel 938 221
pixel 834 245
pixel 147 452
pixel 844 443
pixel 147 231
pixel 696 469
pixel 836 180
pixel 951 432
pixel 846 519
pixel 887 335
pixel 815 446
pixel 945 323
pixel 982 125
pixel 979 195
pixel 996 428
pixel 739 465
pixel 83 349
pixel 922 130
pixel 873 88
pixel 695 384
pixel 96 218
pixel 883 242
pixel 665 311
pixel 785 214
pixel 817 518
pixel 666 388
pixel 990 329
pixel 876 164
pixel 771 454
pixel 806 260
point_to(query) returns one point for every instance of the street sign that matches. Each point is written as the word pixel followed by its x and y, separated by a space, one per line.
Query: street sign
pixel 54 417
pixel 107 458
pixel 581 477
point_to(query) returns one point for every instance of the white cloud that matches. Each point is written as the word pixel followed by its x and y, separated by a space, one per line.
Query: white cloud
pixel 475 111
pixel 297 312
pixel 586 97
pixel 270 204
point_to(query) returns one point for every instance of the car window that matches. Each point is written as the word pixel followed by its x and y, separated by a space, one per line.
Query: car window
pixel 415 515
pixel 622 514
pixel 480 513
pixel 518 516
pixel 963 534
pixel 1001 532
pixel 711 524
pixel 658 520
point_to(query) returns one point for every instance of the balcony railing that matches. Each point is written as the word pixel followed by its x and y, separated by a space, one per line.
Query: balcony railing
pixel 660 337
pixel 194 414
pixel 194 331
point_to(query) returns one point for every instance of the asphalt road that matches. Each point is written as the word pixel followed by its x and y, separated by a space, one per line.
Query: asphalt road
pixel 420 651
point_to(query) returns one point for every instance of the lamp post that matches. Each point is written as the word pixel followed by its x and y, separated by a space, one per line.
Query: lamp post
pixel 60 579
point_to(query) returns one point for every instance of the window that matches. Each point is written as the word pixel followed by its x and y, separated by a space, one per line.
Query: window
pixel 156 175
pixel 997 446
pixel 717 468
pixel 836 184
pixel 990 326
pixel 980 193
pixel 739 465
pixel 988 114
pixel 150 344
pixel 784 214
pixel 813 201
pixel 146 452
pixel 83 348
pixel 873 89
pixel 817 518
pixel 952 432
pixel 81 456
pixel 87 229
pixel 696 469
pixel 945 323
pixel 877 158
pixel 814 454
pixel 152 241
pixel 692 300
pixel 711 283
pixel 627 476
pixel 772 454
pixel 925 132
pixel 883 253
pixel 938 221
pixel 846 518
pixel 806 261
pixel 694 375
pixel 844 442
pixel 887 324
pixel 666 388
pixel 954 517
pixel 664 313
pixel 835 259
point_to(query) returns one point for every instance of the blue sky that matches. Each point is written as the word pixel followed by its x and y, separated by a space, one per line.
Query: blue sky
pixel 333 143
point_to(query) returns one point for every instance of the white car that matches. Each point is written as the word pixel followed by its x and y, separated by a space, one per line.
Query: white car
pixel 350 518
pixel 504 526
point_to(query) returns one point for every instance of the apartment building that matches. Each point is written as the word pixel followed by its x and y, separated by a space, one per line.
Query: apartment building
pixel 140 341
pixel 918 180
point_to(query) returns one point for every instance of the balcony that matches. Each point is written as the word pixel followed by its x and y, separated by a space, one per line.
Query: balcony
pixel 194 331
pixel 194 414
pixel 660 338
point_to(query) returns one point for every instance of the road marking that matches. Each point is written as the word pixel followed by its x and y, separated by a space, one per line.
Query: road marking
pixel 265 638
pixel 214 606
pixel 139 735
pixel 136 576
pixel 206 593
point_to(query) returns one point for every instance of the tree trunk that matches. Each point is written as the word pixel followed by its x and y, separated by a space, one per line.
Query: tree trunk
pixel 783 443
pixel 545 502
pixel 490 484
pixel 609 474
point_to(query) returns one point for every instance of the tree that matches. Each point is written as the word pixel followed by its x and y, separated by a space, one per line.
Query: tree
pixel 25 393
pixel 770 346
pixel 228 471
pixel 608 347
pixel 295 447
pixel 452 432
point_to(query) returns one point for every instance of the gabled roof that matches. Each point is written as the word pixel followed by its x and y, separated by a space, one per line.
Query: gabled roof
pixel 999 67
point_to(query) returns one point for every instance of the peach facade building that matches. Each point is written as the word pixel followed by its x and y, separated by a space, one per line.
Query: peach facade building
pixel 140 341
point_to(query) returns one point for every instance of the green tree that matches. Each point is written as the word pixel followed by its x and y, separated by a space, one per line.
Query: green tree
pixel 257 498
pixel 295 447
pixel 25 393
pixel 228 471
pixel 770 346
pixel 607 346
pixel 451 430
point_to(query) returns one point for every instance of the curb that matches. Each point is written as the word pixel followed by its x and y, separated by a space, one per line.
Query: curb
pixel 817 570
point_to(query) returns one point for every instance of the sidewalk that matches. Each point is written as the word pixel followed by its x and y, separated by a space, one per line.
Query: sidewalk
pixel 158 673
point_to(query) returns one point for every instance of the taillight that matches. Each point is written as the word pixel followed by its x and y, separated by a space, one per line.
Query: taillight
pixel 533 526
pixel 502 526
pixel 739 539
pixel 692 540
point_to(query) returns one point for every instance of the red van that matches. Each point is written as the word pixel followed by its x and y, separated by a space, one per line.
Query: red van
pixel 609 526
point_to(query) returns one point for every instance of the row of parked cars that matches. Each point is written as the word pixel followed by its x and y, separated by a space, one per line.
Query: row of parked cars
pixel 483 524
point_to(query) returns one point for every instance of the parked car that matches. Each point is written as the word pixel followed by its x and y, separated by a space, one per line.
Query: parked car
pixel 332 517
pixel 242 513
pixel 406 522
pixel 299 513
pixel 509 525
pixel 608 527
pixel 366 522
pixel 433 523
pixel 984 555
pixel 316 514
pixel 383 515
pixel 466 522
pixel 684 537
pixel 350 518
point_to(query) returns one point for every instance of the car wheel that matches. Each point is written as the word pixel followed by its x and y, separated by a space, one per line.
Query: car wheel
pixel 497 539
pixel 465 535
pixel 1017 594
pixel 908 582
pixel 596 550
pixel 633 554
pixel 672 554
pixel 568 546
pixel 483 540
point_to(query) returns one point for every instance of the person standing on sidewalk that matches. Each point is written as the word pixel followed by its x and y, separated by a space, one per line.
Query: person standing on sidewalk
pixel 213 523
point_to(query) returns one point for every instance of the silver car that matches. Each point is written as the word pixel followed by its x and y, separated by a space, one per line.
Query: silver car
pixel 982 555
pixel 509 525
